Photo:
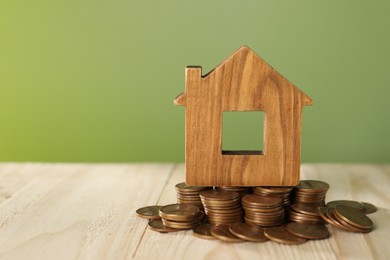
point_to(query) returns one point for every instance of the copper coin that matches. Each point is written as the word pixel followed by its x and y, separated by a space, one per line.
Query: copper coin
pixel 351 227
pixel 150 212
pixel 262 210
pixel 322 213
pixel 179 225
pixel 330 214
pixel 369 208
pixel 218 211
pixel 305 209
pixel 227 222
pixel 308 231
pixel 261 201
pixel 273 190
pixel 280 235
pixel 179 212
pixel 157 225
pixel 354 217
pixel 203 231
pixel 222 232
pixel 349 203
pixel 248 232
pixel 219 195
pixel 184 187
pixel 311 186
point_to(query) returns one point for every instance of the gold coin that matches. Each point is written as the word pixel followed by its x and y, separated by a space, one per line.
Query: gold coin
pixel 149 212
pixel 308 231
pixel 248 232
pixel 179 212
pixel 222 232
pixel 216 195
pixel 349 203
pixel 353 217
pixel 157 225
pixel 369 208
pixel 280 235
pixel 203 231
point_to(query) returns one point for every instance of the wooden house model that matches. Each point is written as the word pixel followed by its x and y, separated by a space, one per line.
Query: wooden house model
pixel 243 82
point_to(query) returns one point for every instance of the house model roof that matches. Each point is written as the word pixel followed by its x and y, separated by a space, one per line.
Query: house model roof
pixel 233 63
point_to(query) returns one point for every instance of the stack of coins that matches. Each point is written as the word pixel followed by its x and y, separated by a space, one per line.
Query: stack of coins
pixel 310 192
pixel 189 194
pixel 180 216
pixel 263 211
pixel 348 215
pixel 301 212
pixel 241 190
pixel 281 192
pixel 222 207
pixel 308 195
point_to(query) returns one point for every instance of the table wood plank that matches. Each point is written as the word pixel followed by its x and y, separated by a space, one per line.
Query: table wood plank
pixel 75 211
pixel 87 211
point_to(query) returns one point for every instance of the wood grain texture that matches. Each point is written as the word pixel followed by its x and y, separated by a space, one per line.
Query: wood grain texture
pixel 87 211
pixel 243 82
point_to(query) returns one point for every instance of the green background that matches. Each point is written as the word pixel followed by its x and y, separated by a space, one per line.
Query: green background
pixel 93 81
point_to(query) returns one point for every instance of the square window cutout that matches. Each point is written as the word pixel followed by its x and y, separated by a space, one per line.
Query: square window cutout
pixel 243 132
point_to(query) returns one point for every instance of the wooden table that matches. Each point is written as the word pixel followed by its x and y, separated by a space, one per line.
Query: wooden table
pixel 87 211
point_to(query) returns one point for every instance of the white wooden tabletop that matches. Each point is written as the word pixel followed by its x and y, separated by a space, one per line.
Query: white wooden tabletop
pixel 87 211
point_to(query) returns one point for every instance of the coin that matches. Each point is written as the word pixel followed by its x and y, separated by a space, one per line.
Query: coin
pixel 330 214
pixel 203 231
pixel 222 232
pixel 350 227
pixel 149 212
pixel 354 217
pixel 189 194
pixel 280 235
pixel 349 203
pixel 305 209
pixel 179 212
pixel 312 186
pixel 248 232
pixel 216 195
pixel 184 187
pixel 322 213
pixel 261 201
pixel 180 225
pixel 308 231
pixel 282 192
pixel 157 225
pixel 369 208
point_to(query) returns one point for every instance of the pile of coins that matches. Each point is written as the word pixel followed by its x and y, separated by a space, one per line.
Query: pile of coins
pixel 241 190
pixel 180 216
pixel 310 192
pixel 308 196
pixel 263 211
pixel 301 212
pixel 281 192
pixel 348 215
pixel 189 194
pixel 222 207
